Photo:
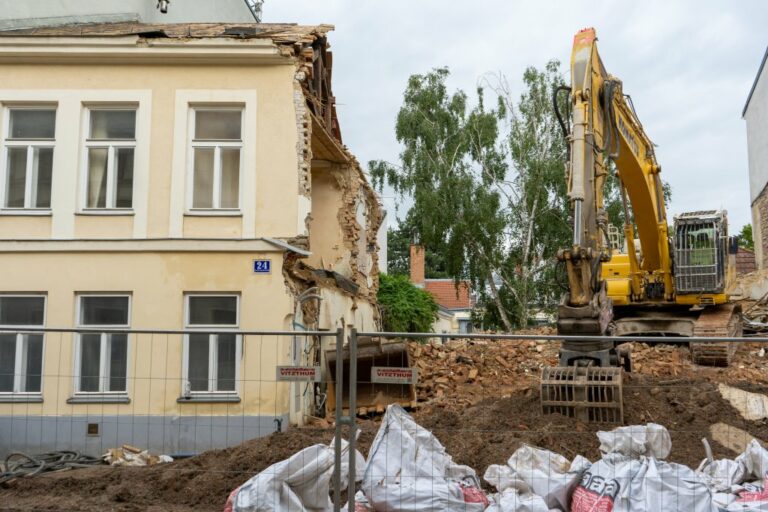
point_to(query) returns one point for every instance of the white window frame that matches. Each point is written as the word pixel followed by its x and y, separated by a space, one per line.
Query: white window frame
pixel 105 344
pixel 21 348
pixel 111 145
pixel 212 352
pixel 31 145
pixel 216 145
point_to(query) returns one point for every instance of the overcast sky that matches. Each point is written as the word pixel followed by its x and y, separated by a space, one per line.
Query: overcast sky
pixel 688 66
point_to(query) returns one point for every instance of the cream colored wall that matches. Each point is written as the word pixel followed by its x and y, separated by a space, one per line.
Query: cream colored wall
pixel 25 226
pixel 104 226
pixel 157 283
pixel 338 309
pixel 326 239
pixel 270 184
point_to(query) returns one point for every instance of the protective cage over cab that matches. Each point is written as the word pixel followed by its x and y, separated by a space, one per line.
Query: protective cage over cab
pixel 700 252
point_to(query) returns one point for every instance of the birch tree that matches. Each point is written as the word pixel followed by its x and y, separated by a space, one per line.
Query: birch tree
pixel 488 185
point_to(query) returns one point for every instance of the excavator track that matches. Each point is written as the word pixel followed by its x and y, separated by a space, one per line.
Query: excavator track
pixel 722 321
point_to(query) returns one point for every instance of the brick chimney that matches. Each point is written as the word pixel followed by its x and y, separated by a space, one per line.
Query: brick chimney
pixel 417 265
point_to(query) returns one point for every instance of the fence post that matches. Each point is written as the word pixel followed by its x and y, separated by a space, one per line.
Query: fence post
pixel 339 382
pixel 352 416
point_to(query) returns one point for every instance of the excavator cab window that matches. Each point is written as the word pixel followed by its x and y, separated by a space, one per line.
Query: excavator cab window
pixel 700 253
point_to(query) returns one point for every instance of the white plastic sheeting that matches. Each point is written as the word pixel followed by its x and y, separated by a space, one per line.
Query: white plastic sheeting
pixel 408 470
pixel 299 484
pixel 534 480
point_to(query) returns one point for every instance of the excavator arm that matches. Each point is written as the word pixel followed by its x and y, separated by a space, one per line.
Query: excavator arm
pixel 605 128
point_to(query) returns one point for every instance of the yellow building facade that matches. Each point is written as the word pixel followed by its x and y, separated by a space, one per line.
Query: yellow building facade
pixel 171 178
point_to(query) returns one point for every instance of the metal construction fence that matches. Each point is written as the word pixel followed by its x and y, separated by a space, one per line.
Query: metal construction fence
pixel 175 392
pixel 184 392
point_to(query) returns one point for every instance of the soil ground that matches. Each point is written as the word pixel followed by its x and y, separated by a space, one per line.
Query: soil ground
pixel 478 423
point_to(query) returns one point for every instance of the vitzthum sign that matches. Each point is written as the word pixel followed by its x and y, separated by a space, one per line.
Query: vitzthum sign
pixel 298 373
pixel 394 375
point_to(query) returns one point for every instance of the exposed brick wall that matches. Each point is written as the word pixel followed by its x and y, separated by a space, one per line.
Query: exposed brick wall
pixel 745 261
pixel 417 265
pixel 761 228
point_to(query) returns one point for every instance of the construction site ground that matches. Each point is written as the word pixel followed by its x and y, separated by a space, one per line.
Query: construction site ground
pixel 480 398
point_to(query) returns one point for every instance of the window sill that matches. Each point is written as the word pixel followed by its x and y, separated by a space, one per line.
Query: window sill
pixel 213 213
pixel 25 212
pixel 128 212
pixel 21 399
pixel 209 398
pixel 98 398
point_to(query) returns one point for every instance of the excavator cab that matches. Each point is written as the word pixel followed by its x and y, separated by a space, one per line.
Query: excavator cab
pixel 701 254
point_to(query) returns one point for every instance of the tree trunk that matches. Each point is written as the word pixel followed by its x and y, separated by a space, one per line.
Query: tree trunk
pixel 499 305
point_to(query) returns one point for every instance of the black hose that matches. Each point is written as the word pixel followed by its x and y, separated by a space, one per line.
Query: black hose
pixel 19 465
pixel 609 118
pixel 559 116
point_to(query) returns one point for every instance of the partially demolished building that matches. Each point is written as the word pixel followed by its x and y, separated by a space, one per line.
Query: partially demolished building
pixel 169 177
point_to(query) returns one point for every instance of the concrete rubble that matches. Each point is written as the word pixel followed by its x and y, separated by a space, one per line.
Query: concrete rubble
pixel 128 455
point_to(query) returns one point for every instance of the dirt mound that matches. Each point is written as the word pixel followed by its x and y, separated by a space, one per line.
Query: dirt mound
pixel 491 430
pixel 198 483
pixel 487 432
pixel 481 400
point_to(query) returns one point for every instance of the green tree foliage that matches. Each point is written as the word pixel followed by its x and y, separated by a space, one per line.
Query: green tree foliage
pixel 399 240
pixel 450 165
pixel 405 308
pixel 745 237
pixel 488 187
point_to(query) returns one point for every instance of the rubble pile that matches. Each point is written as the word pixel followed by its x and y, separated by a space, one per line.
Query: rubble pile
pixel 128 455
pixel 463 371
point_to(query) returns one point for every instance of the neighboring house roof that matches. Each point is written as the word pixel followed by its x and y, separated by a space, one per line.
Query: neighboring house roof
pixel 754 84
pixel 745 261
pixel 279 32
pixel 445 293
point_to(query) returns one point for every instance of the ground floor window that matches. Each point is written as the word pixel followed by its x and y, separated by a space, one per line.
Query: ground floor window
pixel 102 358
pixel 212 359
pixel 21 353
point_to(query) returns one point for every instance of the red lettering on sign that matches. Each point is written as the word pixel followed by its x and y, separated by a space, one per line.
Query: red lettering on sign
pixel 586 501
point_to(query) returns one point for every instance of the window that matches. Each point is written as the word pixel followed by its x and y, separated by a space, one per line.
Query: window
pixel 21 354
pixel 212 359
pixel 29 157
pixel 216 147
pixel 109 150
pixel 102 358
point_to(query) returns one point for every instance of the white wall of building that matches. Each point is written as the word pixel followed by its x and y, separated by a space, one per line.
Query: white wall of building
pixel 756 116
pixel 29 13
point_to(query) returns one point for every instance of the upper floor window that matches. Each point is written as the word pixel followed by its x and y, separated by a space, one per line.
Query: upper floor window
pixel 216 148
pixel 29 157
pixel 109 150
pixel 21 353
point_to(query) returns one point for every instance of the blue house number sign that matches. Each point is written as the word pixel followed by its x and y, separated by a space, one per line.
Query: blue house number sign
pixel 262 266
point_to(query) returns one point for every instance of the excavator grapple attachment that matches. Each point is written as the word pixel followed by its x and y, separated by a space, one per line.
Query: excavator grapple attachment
pixel 587 393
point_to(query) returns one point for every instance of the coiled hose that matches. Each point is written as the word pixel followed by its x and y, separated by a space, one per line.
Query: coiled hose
pixel 20 465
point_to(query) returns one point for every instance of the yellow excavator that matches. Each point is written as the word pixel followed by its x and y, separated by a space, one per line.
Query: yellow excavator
pixel 655 282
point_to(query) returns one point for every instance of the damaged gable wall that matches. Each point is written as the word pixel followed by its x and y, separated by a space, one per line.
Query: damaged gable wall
pixel 332 185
